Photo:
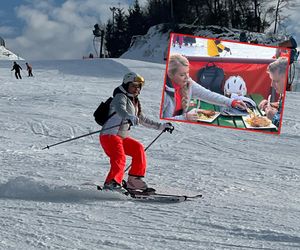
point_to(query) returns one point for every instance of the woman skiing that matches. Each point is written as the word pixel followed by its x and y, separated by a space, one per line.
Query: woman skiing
pixel 180 88
pixel 116 141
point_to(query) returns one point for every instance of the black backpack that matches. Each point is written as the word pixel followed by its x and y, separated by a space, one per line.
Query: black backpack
pixel 102 112
pixel 294 52
pixel 211 77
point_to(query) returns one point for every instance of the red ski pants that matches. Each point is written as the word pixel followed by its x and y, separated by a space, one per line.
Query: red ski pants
pixel 116 149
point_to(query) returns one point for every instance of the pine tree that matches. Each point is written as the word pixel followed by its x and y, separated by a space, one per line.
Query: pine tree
pixel 117 39
pixel 109 39
pixel 158 11
pixel 136 20
pixel 121 35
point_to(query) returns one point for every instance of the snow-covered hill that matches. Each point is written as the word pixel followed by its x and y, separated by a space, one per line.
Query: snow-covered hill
pixel 6 54
pixel 250 181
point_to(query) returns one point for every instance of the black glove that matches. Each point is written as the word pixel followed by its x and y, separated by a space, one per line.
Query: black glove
pixel 168 127
pixel 227 49
pixel 132 120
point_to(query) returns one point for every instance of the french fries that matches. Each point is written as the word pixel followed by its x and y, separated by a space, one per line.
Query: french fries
pixel 258 121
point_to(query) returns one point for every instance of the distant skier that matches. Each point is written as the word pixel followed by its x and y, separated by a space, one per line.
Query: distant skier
pixel 243 37
pixel 188 40
pixel 178 39
pixel 117 143
pixel 29 69
pixel 17 68
pixel 215 47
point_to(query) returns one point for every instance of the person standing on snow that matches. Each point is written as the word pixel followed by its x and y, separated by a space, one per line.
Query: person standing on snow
pixel 17 68
pixel 116 141
pixel 180 88
pixel 178 39
pixel 215 47
pixel 29 69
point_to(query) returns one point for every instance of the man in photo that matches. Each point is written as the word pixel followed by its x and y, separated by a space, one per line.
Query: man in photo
pixel 277 73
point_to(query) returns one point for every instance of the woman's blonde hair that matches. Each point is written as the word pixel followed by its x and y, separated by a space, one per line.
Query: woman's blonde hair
pixel 175 61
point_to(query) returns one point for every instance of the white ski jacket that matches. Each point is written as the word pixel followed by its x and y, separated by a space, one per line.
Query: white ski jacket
pixel 123 106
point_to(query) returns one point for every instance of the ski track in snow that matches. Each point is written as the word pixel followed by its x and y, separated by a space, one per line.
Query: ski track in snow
pixel 250 181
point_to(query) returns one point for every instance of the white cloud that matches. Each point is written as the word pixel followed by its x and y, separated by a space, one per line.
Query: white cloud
pixel 60 32
pixel 6 30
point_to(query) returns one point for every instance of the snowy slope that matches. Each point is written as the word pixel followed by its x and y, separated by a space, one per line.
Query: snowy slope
pixel 250 181
pixel 150 47
pixel 6 54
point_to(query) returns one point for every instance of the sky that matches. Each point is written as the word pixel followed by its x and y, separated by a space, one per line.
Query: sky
pixel 62 29
pixel 53 29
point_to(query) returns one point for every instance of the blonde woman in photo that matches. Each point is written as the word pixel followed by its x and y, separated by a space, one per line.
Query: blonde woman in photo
pixel 180 89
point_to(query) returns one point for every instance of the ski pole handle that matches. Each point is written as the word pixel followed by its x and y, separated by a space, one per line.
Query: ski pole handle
pixel 169 128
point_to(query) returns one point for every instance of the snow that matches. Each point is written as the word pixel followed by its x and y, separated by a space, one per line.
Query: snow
pixel 150 47
pixel 6 54
pixel 250 181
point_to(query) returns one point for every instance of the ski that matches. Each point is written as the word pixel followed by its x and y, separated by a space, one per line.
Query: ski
pixel 159 198
pixel 164 197
pixel 151 195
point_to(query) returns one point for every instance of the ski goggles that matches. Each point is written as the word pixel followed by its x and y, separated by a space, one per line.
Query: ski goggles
pixel 139 80
pixel 136 85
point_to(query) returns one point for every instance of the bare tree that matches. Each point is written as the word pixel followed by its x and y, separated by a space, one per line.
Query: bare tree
pixel 281 4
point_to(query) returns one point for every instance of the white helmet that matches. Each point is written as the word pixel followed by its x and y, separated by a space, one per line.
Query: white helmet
pixel 133 77
pixel 235 85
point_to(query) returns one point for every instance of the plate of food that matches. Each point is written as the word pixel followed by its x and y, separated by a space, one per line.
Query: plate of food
pixel 205 115
pixel 258 122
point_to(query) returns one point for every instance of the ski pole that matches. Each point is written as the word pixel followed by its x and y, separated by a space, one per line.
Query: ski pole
pixel 149 145
pixel 75 138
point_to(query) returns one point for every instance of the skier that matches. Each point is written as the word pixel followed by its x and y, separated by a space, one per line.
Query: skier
pixel 243 37
pixel 17 68
pixel 116 141
pixel 189 40
pixel 277 73
pixel 29 69
pixel 180 88
pixel 178 39
pixel 215 47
